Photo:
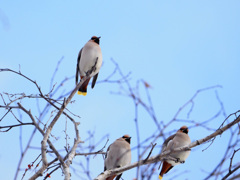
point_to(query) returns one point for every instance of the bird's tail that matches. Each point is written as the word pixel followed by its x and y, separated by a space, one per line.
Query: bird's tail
pixel 82 93
pixel 83 89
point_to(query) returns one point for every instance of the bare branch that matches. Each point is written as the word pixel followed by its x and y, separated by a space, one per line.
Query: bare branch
pixel 12 126
pixel 158 158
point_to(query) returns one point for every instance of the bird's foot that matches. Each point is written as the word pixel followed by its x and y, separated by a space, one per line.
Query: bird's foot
pixel 182 162
pixel 177 160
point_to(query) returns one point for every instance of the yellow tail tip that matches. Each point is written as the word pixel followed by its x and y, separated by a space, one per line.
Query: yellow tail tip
pixel 82 93
pixel 159 177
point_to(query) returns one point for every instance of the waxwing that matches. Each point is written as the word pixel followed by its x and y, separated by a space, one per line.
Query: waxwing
pixel 89 60
pixel 118 155
pixel 179 139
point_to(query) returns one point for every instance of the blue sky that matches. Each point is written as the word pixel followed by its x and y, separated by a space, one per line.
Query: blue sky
pixel 178 47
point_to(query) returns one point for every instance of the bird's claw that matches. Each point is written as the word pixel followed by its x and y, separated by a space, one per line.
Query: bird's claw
pixel 177 160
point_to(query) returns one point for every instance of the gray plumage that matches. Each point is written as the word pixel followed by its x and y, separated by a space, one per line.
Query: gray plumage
pixel 118 155
pixel 177 140
pixel 89 61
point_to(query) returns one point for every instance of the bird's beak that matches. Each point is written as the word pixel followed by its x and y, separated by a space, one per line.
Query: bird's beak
pixel 99 37
pixel 128 139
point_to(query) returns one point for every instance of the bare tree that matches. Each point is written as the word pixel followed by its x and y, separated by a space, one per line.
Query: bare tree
pixel 51 157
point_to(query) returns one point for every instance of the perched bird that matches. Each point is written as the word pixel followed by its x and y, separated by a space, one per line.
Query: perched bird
pixel 118 155
pixel 89 62
pixel 179 139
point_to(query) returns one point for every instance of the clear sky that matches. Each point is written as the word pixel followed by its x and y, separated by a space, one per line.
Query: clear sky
pixel 176 46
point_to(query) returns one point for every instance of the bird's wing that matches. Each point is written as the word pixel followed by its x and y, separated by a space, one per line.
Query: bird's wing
pixel 94 80
pixel 105 168
pixel 77 69
pixel 107 151
pixel 165 144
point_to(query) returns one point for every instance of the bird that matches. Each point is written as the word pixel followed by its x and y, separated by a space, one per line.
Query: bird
pixel 179 139
pixel 118 155
pixel 89 62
